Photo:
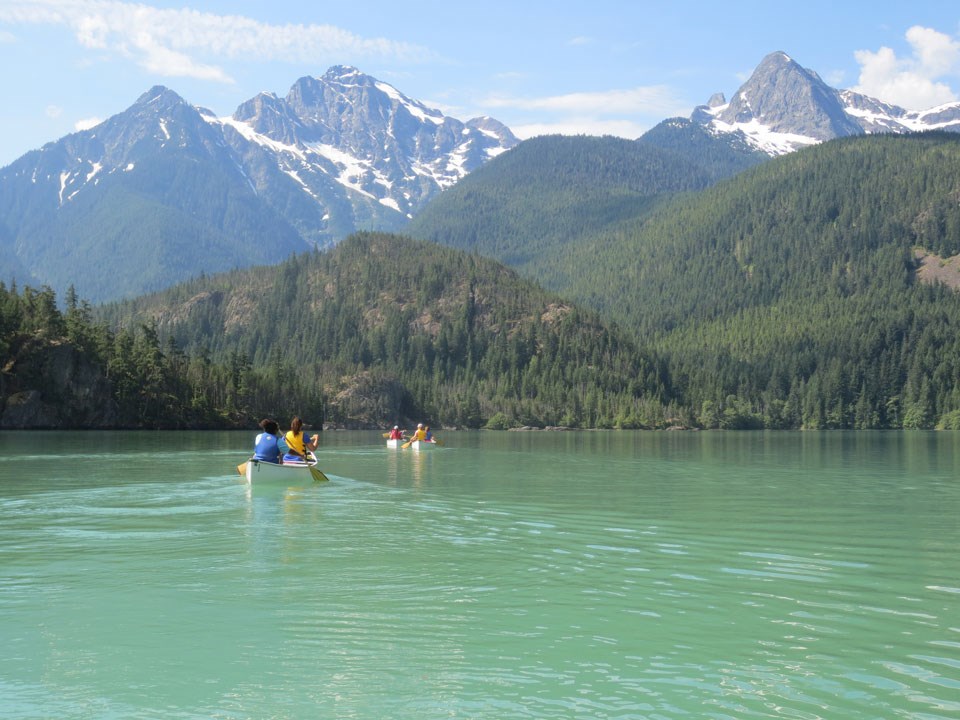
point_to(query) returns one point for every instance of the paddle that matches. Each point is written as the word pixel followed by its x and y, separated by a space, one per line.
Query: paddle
pixel 242 469
pixel 315 473
pixel 386 434
pixel 407 444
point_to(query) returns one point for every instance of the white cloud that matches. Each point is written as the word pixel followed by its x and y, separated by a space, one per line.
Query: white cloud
pixel 917 82
pixel 651 100
pixel 86 123
pixel 53 111
pixel 834 78
pixel 161 60
pixel 167 42
pixel 622 113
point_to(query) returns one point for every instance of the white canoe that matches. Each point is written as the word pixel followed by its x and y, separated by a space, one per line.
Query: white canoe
pixel 289 473
pixel 394 444
pixel 422 445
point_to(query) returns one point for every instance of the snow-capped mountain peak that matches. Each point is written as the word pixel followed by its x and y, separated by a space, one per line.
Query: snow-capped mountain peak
pixel 339 153
pixel 783 107
pixel 369 137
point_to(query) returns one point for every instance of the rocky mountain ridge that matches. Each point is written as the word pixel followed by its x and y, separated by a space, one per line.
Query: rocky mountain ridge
pixel 166 190
pixel 783 107
pixel 169 191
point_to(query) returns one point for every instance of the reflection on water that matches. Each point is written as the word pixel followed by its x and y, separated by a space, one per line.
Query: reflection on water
pixel 548 575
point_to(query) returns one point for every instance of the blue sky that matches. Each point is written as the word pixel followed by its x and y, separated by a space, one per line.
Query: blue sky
pixel 602 67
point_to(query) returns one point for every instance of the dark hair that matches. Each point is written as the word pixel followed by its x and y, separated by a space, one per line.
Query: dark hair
pixel 295 425
pixel 270 426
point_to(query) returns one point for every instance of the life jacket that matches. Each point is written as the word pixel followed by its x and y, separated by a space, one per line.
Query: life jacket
pixel 295 444
pixel 266 448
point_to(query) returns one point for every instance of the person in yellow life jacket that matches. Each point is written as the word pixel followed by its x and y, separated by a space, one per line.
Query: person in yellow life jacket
pixel 419 434
pixel 297 442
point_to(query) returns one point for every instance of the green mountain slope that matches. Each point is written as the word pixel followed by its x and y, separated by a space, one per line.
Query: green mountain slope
pixel 721 156
pixel 793 288
pixel 391 328
pixel 529 206
pixel 172 213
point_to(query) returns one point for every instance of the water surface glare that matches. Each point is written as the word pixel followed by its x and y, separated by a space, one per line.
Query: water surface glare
pixel 504 575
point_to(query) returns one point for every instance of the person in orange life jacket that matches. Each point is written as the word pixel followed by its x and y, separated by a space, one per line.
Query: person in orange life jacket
pixel 297 442
pixel 420 434
pixel 266 447
pixel 396 433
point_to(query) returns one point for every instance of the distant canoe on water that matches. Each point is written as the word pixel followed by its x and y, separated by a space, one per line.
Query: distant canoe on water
pixel 423 445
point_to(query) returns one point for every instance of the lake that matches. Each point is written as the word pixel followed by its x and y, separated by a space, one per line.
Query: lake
pixel 505 575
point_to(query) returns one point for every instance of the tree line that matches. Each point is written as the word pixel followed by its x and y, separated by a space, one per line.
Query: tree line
pixel 131 377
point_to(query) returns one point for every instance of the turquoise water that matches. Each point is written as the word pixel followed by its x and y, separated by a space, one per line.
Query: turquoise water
pixel 505 575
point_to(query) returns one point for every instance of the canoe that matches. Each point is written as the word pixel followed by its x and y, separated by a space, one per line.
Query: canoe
pixel 422 445
pixel 394 444
pixel 290 473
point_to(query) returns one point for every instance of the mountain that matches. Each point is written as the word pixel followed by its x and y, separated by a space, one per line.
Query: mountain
pixel 165 190
pixel 783 107
pixel 531 205
pixel 385 153
pixel 794 290
pixel 397 329
pixel 150 194
pixel 797 293
pixel 719 155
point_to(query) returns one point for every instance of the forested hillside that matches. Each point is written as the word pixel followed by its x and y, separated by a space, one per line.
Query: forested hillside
pixel 720 156
pixel 63 369
pixel 531 205
pixel 386 328
pixel 786 297
pixel 790 293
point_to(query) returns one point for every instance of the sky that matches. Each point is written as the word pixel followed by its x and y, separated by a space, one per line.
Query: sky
pixel 604 67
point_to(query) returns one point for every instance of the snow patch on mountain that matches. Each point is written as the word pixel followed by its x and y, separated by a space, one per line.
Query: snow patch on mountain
pixel 247 131
pixel 761 136
pixel 420 112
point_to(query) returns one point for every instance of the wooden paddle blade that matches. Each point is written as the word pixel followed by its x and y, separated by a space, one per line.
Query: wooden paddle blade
pixel 438 442
pixel 386 434
pixel 407 444
pixel 242 469
pixel 318 476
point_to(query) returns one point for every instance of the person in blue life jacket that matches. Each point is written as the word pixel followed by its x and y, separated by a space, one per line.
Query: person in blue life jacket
pixel 427 436
pixel 266 446
pixel 297 442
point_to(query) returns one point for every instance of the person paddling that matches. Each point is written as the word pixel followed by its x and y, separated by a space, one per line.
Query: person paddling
pixel 420 434
pixel 266 447
pixel 297 442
